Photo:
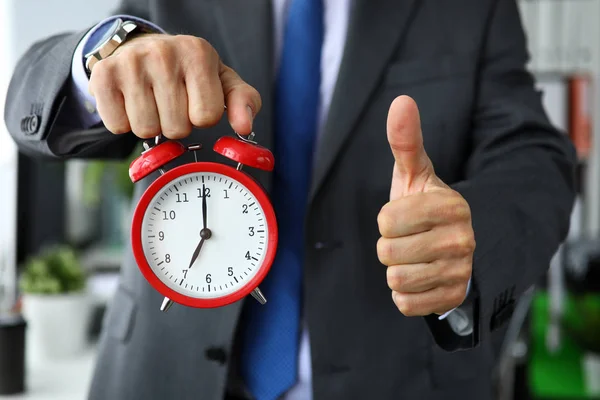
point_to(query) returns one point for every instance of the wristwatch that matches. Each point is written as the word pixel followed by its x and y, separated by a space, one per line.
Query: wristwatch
pixel 116 34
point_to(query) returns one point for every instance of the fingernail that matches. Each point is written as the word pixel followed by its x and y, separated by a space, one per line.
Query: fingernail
pixel 251 116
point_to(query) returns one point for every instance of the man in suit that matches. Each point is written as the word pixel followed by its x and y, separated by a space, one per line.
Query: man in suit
pixel 408 133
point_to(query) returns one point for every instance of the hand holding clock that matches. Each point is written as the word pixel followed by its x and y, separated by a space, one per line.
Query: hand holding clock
pixel 427 238
pixel 159 83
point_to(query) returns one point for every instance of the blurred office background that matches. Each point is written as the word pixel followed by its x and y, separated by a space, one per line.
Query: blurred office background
pixel 552 345
pixel 48 203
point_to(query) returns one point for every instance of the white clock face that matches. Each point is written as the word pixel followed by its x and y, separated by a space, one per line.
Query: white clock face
pixel 234 240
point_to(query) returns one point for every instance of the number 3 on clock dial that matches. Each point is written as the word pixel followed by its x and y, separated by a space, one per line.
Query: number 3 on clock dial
pixel 227 259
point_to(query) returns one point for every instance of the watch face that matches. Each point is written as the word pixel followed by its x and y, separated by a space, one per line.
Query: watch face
pixel 102 35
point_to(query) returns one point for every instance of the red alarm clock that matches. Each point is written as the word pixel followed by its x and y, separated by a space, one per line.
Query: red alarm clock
pixel 204 234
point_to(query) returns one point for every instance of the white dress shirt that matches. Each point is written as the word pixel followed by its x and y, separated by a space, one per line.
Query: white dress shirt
pixel 336 18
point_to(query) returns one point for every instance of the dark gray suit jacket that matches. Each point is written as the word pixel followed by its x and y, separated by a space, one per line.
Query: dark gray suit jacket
pixel 463 61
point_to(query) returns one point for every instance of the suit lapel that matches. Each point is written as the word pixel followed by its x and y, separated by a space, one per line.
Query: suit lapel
pixel 374 30
pixel 246 28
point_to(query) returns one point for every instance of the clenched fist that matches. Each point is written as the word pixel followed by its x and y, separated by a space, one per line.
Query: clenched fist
pixel 166 84
pixel 427 240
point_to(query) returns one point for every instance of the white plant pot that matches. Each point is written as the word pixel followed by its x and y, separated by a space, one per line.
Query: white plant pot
pixel 591 367
pixel 57 325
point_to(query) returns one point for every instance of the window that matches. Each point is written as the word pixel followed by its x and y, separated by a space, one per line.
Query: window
pixel 8 169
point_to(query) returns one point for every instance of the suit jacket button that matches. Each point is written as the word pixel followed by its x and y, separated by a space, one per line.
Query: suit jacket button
pixel 30 124
pixel 25 125
pixel 34 123
pixel 217 354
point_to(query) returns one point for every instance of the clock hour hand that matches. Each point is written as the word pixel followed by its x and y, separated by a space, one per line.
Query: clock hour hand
pixel 196 253
pixel 204 234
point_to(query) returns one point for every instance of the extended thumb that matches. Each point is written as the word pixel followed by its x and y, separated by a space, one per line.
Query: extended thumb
pixel 406 139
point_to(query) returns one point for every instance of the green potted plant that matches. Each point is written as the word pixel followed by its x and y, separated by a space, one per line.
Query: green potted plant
pixel 583 326
pixel 96 172
pixel 55 303
pixel 106 186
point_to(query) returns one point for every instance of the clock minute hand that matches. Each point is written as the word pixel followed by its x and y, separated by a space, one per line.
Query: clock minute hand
pixel 205 233
pixel 203 207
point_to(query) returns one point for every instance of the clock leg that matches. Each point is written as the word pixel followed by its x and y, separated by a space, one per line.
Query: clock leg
pixel 259 296
pixel 166 304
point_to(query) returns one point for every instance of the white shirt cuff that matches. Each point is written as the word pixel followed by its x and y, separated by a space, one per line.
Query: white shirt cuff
pixel 443 316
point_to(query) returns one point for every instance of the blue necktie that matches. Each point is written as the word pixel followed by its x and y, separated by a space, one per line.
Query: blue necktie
pixel 271 333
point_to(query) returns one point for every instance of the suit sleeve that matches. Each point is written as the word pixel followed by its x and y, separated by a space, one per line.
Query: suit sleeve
pixel 40 111
pixel 519 182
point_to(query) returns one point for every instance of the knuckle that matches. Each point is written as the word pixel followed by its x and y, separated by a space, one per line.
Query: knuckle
pixel 144 134
pixel 386 221
pixel 205 115
pixel 385 251
pixel 465 211
pixel 176 131
pixel 202 44
pixel 465 242
pixel 453 207
pixel 117 127
pixel 146 131
pixel 103 76
pixel 162 55
pixel 394 279
pixel 457 295
pixel 464 272
pixel 460 243
pixel 460 207
pixel 175 135
pixel 447 246
pixel 467 272
pixel 198 50
pixel 472 241
pixel 187 41
pixel 129 60
pixel 405 305
pixel 462 211
pixel 256 99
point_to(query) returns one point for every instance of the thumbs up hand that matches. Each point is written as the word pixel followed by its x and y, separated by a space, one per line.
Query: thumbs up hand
pixel 427 238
